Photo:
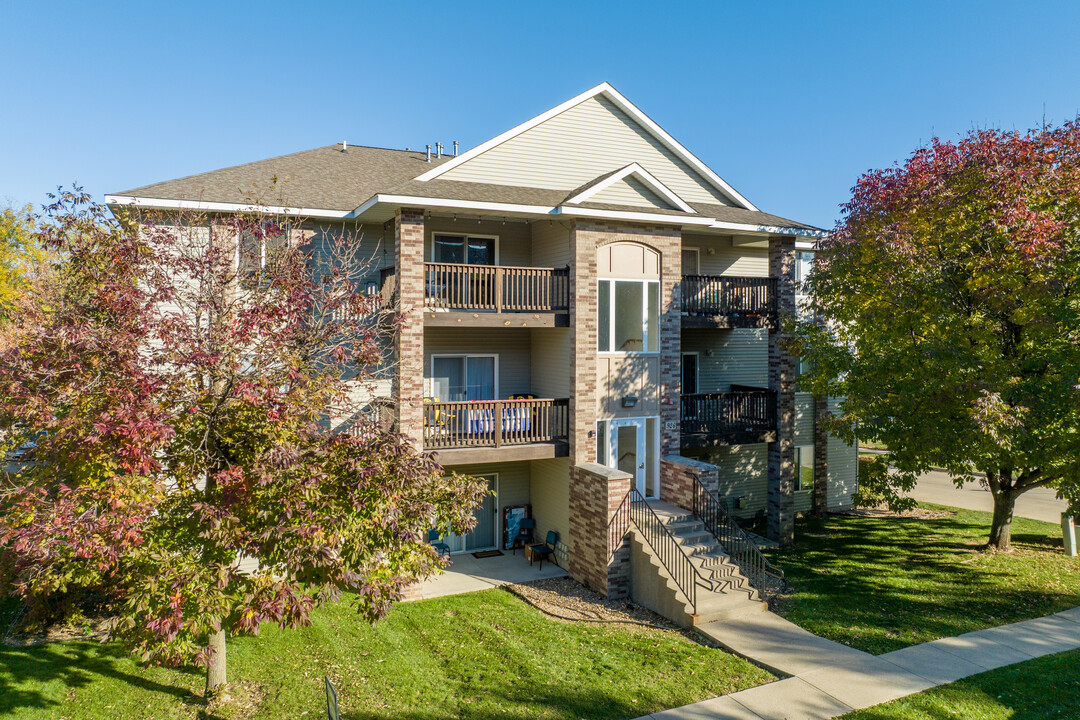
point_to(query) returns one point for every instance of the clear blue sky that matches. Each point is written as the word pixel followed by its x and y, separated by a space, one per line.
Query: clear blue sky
pixel 787 101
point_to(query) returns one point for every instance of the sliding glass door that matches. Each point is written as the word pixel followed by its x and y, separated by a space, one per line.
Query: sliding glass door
pixel 458 378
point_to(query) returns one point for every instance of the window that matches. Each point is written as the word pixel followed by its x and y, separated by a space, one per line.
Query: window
pixel 691 261
pixel 804 467
pixel 689 373
pixel 258 245
pixel 463 249
pixel 458 378
pixel 628 316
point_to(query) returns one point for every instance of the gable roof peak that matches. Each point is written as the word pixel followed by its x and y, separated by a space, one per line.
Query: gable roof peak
pixel 610 93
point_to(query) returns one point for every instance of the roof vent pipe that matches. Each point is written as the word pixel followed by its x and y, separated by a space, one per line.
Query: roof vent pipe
pixel 438 150
pixel 455 148
pixel 428 159
pixel 344 146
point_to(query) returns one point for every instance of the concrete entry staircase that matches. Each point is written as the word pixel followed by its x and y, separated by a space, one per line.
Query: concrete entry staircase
pixel 722 590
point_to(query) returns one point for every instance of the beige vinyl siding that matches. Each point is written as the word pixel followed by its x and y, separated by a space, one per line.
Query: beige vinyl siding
pixel 551 362
pixel 578 145
pixel 512 247
pixel 549 493
pixel 630 191
pixel 550 244
pixel 843 467
pixel 804 419
pixel 739 356
pixel 743 473
pixel 511 345
pixel 512 487
pixel 727 258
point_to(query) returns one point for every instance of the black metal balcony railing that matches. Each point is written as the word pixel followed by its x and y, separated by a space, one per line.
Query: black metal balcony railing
pixel 729 413
pixel 722 295
pixel 502 288
pixel 494 423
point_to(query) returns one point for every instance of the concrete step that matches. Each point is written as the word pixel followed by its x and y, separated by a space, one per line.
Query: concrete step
pixel 693 537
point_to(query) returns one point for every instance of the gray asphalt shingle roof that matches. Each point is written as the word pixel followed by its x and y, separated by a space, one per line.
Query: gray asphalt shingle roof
pixel 328 179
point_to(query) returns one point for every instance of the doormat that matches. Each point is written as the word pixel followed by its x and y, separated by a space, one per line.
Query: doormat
pixel 486 553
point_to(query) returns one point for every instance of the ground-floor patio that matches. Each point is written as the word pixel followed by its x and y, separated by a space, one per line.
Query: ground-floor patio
pixel 467 573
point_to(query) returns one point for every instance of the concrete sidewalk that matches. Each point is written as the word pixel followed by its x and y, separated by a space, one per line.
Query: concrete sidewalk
pixel 830 679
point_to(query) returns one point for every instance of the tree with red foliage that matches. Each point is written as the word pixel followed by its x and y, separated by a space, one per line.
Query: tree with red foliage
pixel 951 294
pixel 175 385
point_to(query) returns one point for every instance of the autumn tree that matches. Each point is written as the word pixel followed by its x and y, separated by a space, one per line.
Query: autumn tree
pixel 21 256
pixel 951 294
pixel 180 383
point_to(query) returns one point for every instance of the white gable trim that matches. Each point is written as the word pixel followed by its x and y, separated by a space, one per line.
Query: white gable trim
pixel 166 204
pixel 626 106
pixel 641 174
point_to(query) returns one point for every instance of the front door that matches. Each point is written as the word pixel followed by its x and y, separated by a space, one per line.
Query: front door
pixel 485 535
pixel 626 449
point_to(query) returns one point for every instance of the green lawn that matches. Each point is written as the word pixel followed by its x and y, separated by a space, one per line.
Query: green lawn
pixel 1043 689
pixel 882 584
pixel 483 655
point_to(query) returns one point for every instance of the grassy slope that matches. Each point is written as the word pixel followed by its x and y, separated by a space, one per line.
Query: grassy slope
pixel 484 655
pixel 1043 689
pixel 883 584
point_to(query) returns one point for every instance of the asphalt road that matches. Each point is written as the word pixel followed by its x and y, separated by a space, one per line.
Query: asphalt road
pixel 937 487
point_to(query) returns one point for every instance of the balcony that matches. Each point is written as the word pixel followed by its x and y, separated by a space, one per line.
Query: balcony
pixel 486 430
pixel 495 296
pixel 722 301
pixel 739 417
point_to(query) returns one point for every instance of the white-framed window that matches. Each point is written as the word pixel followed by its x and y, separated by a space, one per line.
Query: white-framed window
pixel 628 316
pixel 255 245
pixel 464 377
pixel 465 249
pixel 804 467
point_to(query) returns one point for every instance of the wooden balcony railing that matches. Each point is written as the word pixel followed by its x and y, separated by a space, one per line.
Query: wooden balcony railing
pixel 712 295
pixel 730 413
pixel 494 423
pixel 501 288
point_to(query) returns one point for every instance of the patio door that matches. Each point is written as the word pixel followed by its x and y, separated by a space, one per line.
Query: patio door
pixel 632 445
pixel 485 536
pixel 458 378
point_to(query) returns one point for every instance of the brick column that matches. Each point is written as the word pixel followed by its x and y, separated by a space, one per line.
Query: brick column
pixel 670 343
pixel 781 500
pixel 677 479
pixel 409 339
pixel 596 492
pixel 821 456
pixel 583 347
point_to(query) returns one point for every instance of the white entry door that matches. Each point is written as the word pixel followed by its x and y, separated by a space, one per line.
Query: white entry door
pixel 626 449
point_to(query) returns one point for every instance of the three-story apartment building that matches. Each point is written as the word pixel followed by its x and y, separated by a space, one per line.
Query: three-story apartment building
pixel 589 309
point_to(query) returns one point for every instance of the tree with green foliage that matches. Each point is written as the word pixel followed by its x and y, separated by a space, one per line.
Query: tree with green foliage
pixel 950 294
pixel 21 256
pixel 173 387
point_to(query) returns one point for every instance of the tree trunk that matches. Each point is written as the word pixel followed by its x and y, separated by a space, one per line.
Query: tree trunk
pixel 1001 528
pixel 215 671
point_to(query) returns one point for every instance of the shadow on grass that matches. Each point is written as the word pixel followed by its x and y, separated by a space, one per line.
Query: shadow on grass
pixel 71 665
pixel 886 583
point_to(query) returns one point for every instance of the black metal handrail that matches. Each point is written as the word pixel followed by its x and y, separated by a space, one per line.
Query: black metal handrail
pixel 743 551
pixel 634 510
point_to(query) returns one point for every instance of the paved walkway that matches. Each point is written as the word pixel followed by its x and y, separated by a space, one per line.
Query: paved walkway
pixel 829 679
pixel 469 574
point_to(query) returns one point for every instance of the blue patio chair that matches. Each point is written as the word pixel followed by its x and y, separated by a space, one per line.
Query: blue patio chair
pixel 435 538
pixel 546 549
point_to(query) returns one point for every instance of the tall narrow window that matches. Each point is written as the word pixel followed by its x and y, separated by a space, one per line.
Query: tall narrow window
pixel 804 467
pixel 628 316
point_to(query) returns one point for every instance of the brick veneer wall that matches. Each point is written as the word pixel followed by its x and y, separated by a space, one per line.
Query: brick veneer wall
pixel 409 340
pixel 596 492
pixel 677 479
pixel 781 486
pixel 821 456
pixel 586 237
